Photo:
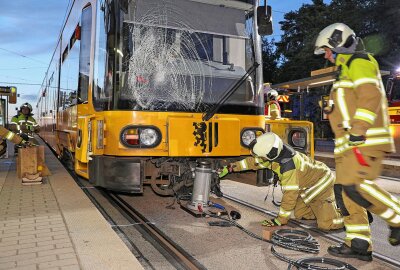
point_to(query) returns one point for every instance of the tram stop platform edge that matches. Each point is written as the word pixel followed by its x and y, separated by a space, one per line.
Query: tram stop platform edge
pixel 54 225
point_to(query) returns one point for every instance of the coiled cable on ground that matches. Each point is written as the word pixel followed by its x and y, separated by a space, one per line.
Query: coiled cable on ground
pixel 313 263
pixel 297 240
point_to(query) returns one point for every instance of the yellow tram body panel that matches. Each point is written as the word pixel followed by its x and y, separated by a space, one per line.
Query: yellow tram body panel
pixel 290 131
pixel 183 134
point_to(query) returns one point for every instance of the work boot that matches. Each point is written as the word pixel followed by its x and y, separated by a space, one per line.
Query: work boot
pixel 345 251
pixel 370 217
pixel 394 237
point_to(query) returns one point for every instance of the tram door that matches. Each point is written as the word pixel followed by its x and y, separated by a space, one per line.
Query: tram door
pixel 3 113
pixel 3 122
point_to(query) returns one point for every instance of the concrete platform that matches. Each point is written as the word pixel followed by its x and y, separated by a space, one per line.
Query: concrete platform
pixel 54 225
pixel 391 166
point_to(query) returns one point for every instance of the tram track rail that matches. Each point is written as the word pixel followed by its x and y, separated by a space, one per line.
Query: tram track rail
pixel 175 254
pixel 333 238
pixel 128 241
pixel 389 178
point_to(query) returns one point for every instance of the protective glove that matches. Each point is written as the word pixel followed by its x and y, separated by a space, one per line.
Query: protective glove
pixel 24 136
pixel 224 171
pixel 355 140
pixel 271 222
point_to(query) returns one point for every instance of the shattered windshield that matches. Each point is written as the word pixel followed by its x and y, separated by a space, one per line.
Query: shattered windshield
pixel 179 55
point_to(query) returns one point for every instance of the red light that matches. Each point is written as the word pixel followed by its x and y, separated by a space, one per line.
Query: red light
pixel 132 139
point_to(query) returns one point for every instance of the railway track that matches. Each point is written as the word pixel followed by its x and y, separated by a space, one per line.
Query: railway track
pixel 333 238
pixel 175 254
pixel 172 252
pixel 177 257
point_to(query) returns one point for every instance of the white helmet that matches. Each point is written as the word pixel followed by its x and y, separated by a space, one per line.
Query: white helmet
pixel 268 146
pixel 26 105
pixel 272 94
pixel 338 37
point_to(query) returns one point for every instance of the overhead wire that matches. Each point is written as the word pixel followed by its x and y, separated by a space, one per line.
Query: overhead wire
pixel 22 55
pixel 22 68
pixel 35 84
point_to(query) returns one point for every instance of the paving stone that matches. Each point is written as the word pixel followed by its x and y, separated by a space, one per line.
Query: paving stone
pixel 35 226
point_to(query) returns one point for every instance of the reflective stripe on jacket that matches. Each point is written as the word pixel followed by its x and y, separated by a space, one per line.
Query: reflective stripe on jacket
pixel 273 110
pixel 298 176
pixel 19 120
pixel 360 104
pixel 11 136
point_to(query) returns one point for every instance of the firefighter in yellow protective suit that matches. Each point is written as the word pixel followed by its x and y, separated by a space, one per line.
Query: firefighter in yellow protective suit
pixel 307 185
pixel 272 108
pixel 24 122
pixel 359 118
pixel 11 136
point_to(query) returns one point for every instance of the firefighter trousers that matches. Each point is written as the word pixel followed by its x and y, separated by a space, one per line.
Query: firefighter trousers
pixel 359 192
pixel 322 208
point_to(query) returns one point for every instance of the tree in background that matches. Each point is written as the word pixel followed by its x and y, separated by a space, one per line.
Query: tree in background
pixel 296 45
pixel 292 58
pixel 385 41
pixel 373 20
pixel 270 61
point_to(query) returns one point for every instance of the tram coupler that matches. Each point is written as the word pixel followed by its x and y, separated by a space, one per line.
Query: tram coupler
pixel 198 205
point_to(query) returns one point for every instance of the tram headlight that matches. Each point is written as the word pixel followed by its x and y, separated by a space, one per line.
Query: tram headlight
pixel 140 136
pixel 248 135
pixel 148 136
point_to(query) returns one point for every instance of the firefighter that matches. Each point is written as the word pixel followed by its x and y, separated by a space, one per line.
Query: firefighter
pixel 359 118
pixel 11 136
pixel 24 122
pixel 272 108
pixel 307 185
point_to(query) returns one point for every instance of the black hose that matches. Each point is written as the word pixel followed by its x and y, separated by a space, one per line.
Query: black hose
pixel 309 263
pixel 297 240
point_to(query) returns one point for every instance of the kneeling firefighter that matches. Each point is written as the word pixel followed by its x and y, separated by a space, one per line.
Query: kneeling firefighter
pixel 307 185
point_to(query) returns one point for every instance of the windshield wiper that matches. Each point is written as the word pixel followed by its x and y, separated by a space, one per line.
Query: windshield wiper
pixel 214 109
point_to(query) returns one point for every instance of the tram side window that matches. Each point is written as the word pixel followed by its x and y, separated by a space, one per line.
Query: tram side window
pixel 84 57
pixel 103 66
pixel 69 73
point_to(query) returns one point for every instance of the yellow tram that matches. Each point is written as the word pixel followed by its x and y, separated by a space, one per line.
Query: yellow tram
pixel 140 91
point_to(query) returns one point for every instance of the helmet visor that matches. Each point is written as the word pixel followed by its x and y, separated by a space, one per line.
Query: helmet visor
pixel 273 154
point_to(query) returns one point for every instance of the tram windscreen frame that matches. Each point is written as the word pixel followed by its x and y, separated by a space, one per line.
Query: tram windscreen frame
pixel 174 63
